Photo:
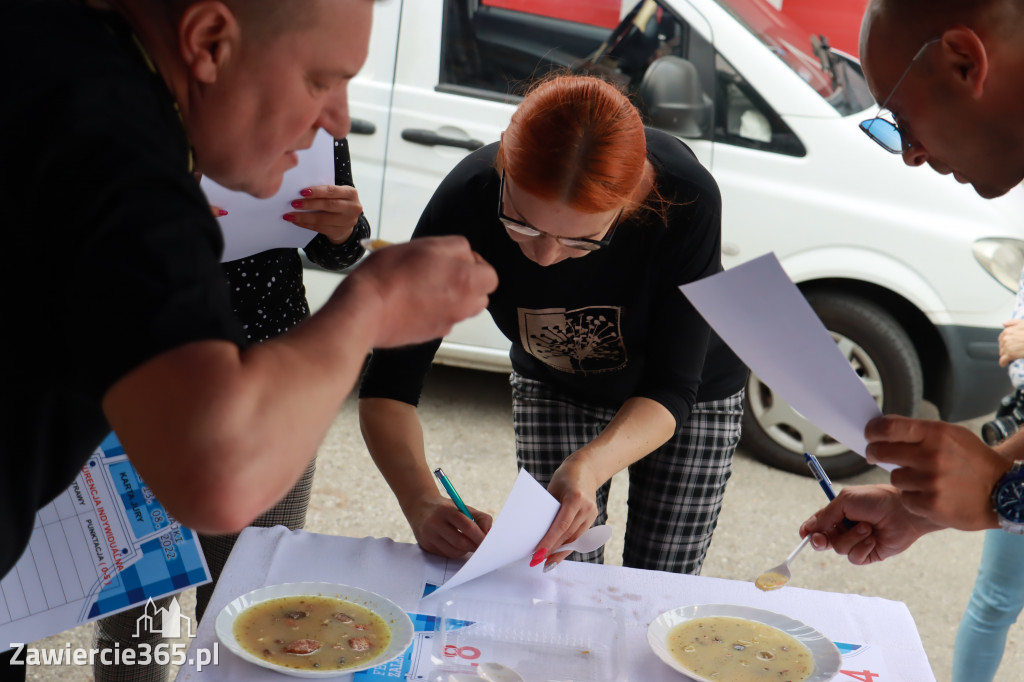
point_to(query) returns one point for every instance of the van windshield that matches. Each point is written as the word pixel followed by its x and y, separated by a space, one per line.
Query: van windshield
pixel 833 75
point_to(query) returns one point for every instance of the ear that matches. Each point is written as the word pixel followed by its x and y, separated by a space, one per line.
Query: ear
pixel 966 58
pixel 208 36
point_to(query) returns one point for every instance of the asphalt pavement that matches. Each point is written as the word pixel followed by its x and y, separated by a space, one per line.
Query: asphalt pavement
pixel 467 419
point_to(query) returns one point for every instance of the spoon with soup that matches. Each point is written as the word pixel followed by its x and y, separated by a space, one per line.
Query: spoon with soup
pixel 774 578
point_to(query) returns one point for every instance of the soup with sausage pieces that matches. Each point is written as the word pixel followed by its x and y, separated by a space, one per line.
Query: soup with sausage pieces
pixel 310 633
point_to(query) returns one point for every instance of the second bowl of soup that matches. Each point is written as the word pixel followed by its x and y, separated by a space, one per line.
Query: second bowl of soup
pixel 711 642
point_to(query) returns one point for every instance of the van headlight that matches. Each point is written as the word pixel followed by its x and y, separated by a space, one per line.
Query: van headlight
pixel 1003 258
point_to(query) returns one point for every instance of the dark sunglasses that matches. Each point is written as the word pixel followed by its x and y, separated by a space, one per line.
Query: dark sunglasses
pixel 522 228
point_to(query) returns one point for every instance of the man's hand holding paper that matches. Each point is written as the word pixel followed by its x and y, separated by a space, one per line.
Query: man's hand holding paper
pixel 946 472
pixel 945 475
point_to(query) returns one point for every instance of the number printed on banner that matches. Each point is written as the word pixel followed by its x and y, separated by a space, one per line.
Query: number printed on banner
pixel 468 653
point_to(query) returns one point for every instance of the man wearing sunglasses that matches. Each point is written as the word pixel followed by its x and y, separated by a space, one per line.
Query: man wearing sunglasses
pixel 950 77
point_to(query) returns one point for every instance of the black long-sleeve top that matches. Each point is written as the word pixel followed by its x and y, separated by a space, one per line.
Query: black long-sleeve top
pixel 602 328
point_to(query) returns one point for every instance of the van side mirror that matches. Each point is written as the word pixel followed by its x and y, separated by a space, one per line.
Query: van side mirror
pixel 672 96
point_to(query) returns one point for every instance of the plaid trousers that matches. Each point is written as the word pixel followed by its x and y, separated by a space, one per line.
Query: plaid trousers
pixel 120 628
pixel 675 492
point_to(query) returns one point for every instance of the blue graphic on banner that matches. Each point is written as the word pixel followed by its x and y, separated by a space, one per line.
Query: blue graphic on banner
pixel 401 667
pixel 163 568
pixel 161 557
pixel 103 545
pixel 845 648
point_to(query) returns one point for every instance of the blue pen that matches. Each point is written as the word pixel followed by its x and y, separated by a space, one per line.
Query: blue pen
pixel 452 494
pixel 826 485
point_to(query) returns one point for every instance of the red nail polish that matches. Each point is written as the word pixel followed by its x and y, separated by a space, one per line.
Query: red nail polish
pixel 289 217
pixel 297 203
pixel 538 556
pixel 221 212
pixel 306 192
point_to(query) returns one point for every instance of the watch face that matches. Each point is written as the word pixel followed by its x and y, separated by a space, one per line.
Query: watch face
pixel 1009 501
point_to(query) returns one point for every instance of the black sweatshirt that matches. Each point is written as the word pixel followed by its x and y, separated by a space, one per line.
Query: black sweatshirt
pixel 602 328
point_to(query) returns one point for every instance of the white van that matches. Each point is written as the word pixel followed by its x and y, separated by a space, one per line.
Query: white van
pixel 911 272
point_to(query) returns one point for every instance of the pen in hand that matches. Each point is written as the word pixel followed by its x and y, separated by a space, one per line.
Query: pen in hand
pixel 826 485
pixel 450 489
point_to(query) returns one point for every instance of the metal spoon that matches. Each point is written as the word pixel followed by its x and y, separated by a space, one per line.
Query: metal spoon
pixel 774 578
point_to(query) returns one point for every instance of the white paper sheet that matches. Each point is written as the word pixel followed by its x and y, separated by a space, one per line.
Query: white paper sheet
pixel 255 225
pixel 767 322
pixel 523 521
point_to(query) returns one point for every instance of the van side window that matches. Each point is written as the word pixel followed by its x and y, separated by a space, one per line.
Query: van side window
pixel 744 119
pixel 495 49
pixel 500 47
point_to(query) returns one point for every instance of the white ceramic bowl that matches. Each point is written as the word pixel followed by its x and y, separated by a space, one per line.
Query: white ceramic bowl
pixel 826 656
pixel 401 626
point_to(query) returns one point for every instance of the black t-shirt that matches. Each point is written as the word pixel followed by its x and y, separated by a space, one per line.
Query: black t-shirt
pixel 112 254
pixel 602 328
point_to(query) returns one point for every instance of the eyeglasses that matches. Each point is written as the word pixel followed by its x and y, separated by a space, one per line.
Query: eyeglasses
pixel 522 228
pixel 887 133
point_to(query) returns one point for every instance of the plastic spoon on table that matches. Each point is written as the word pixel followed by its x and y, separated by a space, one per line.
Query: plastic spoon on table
pixel 489 671
pixel 774 578
pixel 496 672
pixel 590 540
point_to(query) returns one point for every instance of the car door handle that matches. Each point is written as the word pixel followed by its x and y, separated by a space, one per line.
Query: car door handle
pixel 360 126
pixel 431 139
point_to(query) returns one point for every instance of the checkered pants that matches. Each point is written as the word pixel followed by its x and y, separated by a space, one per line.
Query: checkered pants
pixel 675 493
pixel 120 628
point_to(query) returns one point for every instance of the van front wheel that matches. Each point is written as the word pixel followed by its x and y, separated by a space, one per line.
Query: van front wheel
pixel 882 355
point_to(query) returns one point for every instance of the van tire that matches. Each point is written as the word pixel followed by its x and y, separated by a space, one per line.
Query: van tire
pixel 879 349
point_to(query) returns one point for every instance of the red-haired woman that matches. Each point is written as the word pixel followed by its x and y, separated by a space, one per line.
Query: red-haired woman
pixel 592 223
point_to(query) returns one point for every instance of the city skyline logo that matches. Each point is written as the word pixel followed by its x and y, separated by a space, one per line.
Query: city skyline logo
pixel 170 621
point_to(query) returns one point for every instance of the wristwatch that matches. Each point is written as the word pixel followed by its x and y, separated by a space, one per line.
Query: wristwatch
pixel 1008 499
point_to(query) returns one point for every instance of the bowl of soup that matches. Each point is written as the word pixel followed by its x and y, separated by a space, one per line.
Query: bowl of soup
pixel 715 642
pixel 314 629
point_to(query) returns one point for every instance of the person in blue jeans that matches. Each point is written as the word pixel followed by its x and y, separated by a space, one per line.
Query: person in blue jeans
pixel 998 595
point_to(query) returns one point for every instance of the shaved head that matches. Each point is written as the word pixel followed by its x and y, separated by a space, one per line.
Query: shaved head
pixel 261 19
pixel 920 9
pixel 920 20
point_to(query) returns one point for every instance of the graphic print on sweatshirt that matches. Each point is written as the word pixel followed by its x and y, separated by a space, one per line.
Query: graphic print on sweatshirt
pixel 575 341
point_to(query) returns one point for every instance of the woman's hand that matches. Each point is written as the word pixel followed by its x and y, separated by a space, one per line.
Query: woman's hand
pixel 442 529
pixel 1011 342
pixel 574 484
pixel 331 210
pixel 639 427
